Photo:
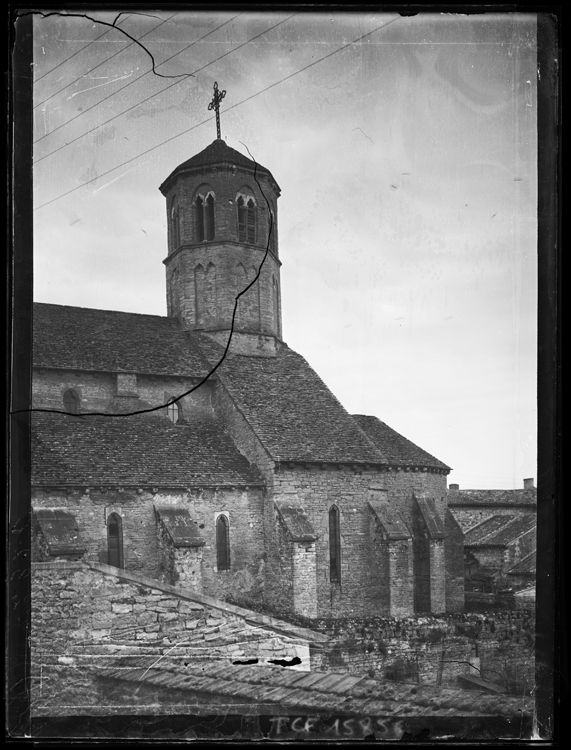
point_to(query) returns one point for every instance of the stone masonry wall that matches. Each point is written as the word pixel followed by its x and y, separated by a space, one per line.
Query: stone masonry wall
pixel 141 552
pixel 97 391
pixel 498 647
pixel 358 592
pixel 84 614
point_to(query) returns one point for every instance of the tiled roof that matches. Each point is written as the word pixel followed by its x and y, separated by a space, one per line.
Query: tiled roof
pixel 218 152
pixel 526 565
pixel 310 692
pixel 292 411
pixel 109 341
pixel 134 451
pixel 498 531
pixel 493 498
pixel 397 449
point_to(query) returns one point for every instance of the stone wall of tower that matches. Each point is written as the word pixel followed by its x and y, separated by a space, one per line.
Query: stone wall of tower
pixel 204 276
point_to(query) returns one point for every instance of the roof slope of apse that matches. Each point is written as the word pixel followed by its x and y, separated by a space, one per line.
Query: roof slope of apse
pixel 290 408
pixel 135 451
pixel 217 153
pixel 397 449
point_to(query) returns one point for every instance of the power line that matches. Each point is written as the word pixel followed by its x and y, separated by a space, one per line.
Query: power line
pixel 238 104
pixel 67 59
pixel 152 96
pixel 99 65
pixel 122 89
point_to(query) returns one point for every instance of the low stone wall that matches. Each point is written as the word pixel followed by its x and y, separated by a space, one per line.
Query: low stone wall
pixel 498 647
pixel 85 613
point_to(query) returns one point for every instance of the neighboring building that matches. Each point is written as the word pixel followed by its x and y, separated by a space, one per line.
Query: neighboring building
pixel 257 487
pixel 470 507
pixel 496 549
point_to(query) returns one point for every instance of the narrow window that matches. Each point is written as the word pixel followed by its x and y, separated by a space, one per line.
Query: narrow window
pixel 251 221
pixel 71 402
pixel 115 540
pixel 272 230
pixel 241 220
pixel 174 412
pixel 334 544
pixel 175 223
pixel 209 217
pixel 222 543
pixel 199 219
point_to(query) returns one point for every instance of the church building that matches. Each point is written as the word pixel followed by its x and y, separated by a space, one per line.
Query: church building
pixel 199 450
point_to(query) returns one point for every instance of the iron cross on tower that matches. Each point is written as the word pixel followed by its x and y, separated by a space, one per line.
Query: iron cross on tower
pixel 215 104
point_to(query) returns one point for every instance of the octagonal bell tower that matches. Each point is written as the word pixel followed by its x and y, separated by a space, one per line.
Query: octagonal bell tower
pixel 222 231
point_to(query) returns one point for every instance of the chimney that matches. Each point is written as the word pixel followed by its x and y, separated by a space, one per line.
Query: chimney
pixel 528 484
pixel 457 486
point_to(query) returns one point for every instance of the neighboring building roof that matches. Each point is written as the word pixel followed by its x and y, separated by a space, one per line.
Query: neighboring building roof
pixel 498 531
pixel 396 448
pixel 134 451
pixel 492 498
pixel 290 408
pixel 218 152
pixel 526 566
pixel 303 693
pixel 110 341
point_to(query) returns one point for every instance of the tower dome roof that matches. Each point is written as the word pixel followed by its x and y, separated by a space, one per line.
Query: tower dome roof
pixel 217 153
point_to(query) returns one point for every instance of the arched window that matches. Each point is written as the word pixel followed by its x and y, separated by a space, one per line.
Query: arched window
pixel 222 543
pixel 115 540
pixel 175 223
pixel 246 218
pixel 71 402
pixel 334 544
pixel 204 217
pixel 272 227
pixel 199 219
pixel 209 217
pixel 174 412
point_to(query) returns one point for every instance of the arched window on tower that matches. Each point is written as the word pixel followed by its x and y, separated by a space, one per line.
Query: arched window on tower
pixel 115 540
pixel 71 402
pixel 204 218
pixel 175 223
pixel 222 543
pixel 246 218
pixel 174 412
pixel 334 545
pixel 272 227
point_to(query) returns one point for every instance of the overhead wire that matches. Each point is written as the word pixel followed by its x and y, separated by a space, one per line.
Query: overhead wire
pixel 157 93
pixel 67 59
pixel 208 119
pixel 104 62
pixel 138 104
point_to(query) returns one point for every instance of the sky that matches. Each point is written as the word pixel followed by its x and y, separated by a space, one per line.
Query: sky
pixel 405 149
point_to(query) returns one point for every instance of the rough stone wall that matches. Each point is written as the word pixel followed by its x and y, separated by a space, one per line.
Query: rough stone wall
pixel 304 579
pixel 98 391
pixel 519 548
pixel 430 650
pixel 141 551
pixel 437 577
pixel 81 615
